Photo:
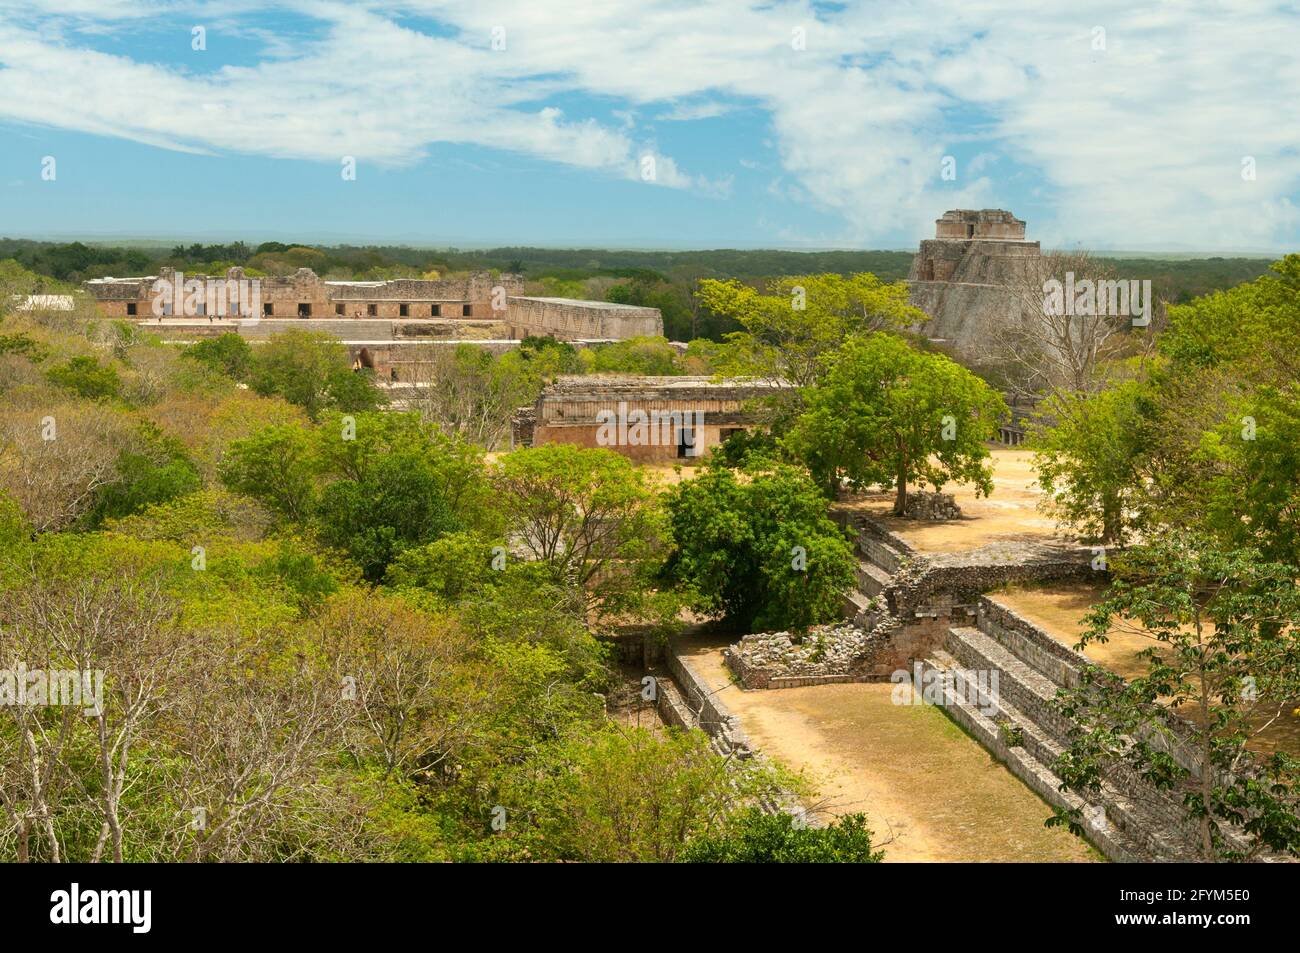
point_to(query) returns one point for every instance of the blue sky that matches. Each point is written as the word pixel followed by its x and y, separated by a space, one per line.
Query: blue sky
pixel 651 123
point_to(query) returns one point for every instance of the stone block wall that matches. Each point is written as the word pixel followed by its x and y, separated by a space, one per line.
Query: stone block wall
pixel 572 320
pixel 925 505
pixel 304 294
pixel 708 712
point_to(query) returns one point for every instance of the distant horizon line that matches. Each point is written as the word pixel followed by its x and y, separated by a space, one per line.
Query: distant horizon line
pixel 154 241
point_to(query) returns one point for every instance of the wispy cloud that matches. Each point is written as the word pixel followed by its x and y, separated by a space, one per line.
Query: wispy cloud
pixel 1135 120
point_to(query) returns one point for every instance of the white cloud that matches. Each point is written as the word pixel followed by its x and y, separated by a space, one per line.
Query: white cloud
pixel 1139 142
pixel 689 112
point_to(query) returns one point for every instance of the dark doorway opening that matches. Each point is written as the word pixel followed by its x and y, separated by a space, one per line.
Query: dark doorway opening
pixel 685 442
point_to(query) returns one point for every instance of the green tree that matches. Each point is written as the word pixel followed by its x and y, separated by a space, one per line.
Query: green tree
pixel 651 356
pixel 296 568
pixel 758 838
pixel 87 378
pixel 158 473
pixel 589 516
pixel 452 567
pixel 1222 665
pixel 887 414
pixel 1251 327
pixel 758 550
pixel 631 796
pixel 672 300
pixel 396 503
pixel 348 449
pixel 1255 498
pixel 1088 462
pixel 275 466
pixel 1201 435
pixel 472 393
pixel 791 331
pixel 228 353
pixel 311 369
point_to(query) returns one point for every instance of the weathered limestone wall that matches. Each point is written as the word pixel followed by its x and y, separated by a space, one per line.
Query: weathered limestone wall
pixel 964 223
pixel 974 262
pixel 707 711
pixel 481 295
pixel 572 320
pixel 920 597
pixel 578 410
pixel 827 654
pixel 408 362
pixel 1032 772
pixel 665 451
pixel 1141 823
pixel 362 330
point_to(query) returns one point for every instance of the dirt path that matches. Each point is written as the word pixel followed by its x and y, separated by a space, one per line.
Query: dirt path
pixel 915 774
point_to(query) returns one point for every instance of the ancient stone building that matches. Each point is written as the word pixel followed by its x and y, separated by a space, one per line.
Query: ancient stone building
pixel 648 419
pixel 305 295
pixel 571 319
pixel 387 326
pixel 964 277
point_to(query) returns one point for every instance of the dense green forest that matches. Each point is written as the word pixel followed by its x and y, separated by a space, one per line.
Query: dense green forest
pixel 665 280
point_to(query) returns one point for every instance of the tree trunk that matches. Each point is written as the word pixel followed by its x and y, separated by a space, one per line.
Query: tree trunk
pixel 1111 511
pixel 900 498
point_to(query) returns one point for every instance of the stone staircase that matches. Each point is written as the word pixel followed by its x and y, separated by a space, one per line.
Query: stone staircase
pixel 927 614
pixel 1127 820
pixel 872 579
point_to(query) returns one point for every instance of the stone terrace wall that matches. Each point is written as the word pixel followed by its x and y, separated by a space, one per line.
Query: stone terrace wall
pixel 949 579
pixel 1057 661
pixel 687 702
pixel 1161 812
pixel 582 320
pixel 707 711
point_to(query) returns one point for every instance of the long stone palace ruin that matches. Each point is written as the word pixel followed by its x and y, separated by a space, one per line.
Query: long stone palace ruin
pixel 384 324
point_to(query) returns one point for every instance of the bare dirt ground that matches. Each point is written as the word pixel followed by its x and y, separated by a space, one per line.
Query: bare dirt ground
pixel 919 779
pixel 1010 513
pixel 664 475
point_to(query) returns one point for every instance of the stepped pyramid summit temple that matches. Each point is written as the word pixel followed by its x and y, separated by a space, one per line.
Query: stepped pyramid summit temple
pixel 964 278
